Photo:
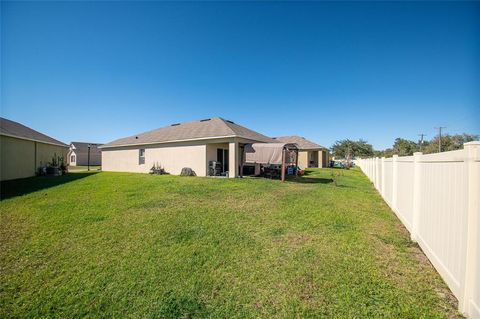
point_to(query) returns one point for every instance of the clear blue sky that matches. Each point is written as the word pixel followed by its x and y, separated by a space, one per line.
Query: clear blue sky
pixel 97 71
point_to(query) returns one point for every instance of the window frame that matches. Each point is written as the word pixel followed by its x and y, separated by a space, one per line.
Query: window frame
pixel 141 156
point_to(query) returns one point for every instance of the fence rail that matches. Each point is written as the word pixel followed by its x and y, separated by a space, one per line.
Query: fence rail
pixel 437 198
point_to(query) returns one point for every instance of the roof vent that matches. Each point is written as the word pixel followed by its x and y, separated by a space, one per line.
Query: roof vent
pixel 205 120
pixel 176 124
pixel 230 121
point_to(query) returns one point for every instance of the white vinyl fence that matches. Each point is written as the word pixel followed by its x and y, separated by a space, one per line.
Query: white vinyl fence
pixel 437 198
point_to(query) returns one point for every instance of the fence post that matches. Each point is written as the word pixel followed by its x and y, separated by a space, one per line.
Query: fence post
pixel 372 176
pixel 382 191
pixel 394 183
pixel 372 163
pixel 368 168
pixel 369 165
pixel 472 265
pixel 417 196
pixel 377 173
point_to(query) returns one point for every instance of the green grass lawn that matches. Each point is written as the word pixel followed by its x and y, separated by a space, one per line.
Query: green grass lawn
pixel 85 167
pixel 143 246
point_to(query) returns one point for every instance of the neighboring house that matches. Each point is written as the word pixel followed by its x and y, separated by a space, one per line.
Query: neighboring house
pixel 78 155
pixel 194 144
pixel 310 154
pixel 23 150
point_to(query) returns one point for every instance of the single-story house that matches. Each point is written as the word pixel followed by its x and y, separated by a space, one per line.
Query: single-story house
pixel 23 150
pixel 80 154
pixel 195 144
pixel 310 154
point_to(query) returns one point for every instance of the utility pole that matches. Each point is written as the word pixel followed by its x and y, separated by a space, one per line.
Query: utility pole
pixel 439 137
pixel 421 140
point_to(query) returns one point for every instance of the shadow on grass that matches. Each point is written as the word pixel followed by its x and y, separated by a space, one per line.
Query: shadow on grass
pixel 309 180
pixel 298 179
pixel 316 172
pixel 306 173
pixel 19 187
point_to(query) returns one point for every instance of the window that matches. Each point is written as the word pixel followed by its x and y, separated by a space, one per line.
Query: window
pixel 141 156
pixel 72 159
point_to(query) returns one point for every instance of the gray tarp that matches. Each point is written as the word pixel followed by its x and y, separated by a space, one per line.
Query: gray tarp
pixel 265 153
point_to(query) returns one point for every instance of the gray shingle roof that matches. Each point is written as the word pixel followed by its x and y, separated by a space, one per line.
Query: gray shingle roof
pixel 81 148
pixel 14 129
pixel 302 143
pixel 200 129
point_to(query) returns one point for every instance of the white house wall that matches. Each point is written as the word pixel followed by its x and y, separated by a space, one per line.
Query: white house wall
pixel 72 163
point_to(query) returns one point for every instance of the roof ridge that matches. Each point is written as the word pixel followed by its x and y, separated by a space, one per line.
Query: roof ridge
pixel 226 123
pixel 213 127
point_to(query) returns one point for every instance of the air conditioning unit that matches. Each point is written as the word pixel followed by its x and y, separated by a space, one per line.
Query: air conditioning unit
pixel 214 168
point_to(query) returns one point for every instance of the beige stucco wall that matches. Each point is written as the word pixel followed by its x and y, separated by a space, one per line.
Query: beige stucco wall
pixel 45 153
pixel 320 158
pixel 303 159
pixel 172 157
pixel 17 157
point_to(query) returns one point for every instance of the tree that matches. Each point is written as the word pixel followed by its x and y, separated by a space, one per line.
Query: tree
pixel 449 142
pixel 403 147
pixel 389 152
pixel 385 153
pixel 349 149
pixel 378 153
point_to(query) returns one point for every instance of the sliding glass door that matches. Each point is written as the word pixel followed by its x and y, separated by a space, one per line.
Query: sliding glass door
pixel 222 157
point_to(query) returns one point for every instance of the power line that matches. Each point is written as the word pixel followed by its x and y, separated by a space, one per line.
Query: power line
pixel 440 137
